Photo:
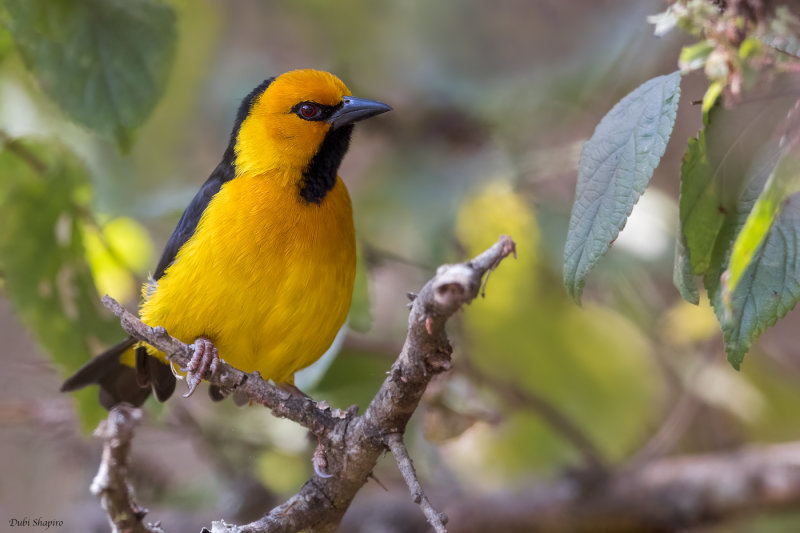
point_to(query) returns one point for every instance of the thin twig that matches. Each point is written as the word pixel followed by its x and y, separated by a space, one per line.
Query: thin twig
pixel 558 420
pixel 20 150
pixel 671 430
pixel 110 484
pixel 679 418
pixel 436 519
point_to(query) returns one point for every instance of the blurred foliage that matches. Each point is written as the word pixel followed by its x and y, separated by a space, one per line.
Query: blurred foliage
pixel 492 104
pixel 526 324
pixel 731 51
pixel 45 198
pixel 118 253
pixel 751 271
pixel 104 62
pixel 360 318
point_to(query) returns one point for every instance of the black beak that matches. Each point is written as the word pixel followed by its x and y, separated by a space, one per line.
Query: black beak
pixel 354 109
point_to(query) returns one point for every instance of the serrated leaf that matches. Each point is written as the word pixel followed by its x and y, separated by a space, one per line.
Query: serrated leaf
pixel 615 167
pixel 47 278
pixel 769 287
pixel 782 183
pixel 104 62
pixel 715 202
pixel 716 166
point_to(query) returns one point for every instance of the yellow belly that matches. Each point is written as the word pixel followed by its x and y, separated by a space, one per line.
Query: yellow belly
pixel 266 276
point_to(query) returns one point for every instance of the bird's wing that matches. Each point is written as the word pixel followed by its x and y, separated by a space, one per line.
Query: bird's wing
pixel 191 216
pixel 225 171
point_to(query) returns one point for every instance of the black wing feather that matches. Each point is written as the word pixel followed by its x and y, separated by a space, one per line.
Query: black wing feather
pixel 119 383
pixel 224 172
pixel 191 216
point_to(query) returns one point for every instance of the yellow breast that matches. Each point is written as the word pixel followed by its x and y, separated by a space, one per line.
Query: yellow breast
pixel 266 276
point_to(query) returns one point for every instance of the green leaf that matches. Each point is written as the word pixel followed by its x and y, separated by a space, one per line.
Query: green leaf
pixel 701 215
pixel 768 288
pixel 782 182
pixel 724 173
pixel 41 248
pixel 682 275
pixel 751 47
pixel 748 191
pixel 710 98
pixel 615 167
pixel 716 166
pixel 104 62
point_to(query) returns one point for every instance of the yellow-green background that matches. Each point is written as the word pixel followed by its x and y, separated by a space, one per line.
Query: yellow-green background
pixel 492 101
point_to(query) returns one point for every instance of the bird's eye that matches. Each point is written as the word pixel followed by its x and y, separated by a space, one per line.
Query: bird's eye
pixel 309 110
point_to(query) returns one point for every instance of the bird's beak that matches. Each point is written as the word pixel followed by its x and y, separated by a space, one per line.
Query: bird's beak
pixel 354 109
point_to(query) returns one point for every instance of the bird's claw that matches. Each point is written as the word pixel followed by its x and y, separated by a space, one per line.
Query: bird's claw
pixel 204 360
pixel 320 462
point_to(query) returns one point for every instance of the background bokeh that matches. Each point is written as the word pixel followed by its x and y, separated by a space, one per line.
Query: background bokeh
pixel 492 101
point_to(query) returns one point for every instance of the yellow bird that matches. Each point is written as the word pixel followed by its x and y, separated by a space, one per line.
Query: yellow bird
pixel 261 265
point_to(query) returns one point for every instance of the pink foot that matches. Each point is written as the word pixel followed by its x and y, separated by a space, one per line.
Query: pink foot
pixel 320 462
pixel 204 360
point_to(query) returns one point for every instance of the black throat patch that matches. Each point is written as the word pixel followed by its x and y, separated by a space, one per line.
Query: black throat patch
pixel 320 175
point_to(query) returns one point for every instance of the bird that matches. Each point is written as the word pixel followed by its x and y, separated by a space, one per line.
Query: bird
pixel 260 267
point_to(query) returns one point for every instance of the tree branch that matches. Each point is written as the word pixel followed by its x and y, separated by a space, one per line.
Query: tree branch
pixel 110 484
pixel 349 445
pixel 319 418
pixel 664 495
pixel 21 151
pixel 395 443
pixel 517 397
pixel 680 417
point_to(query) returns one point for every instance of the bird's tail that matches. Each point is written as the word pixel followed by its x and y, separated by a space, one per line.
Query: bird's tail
pixel 120 382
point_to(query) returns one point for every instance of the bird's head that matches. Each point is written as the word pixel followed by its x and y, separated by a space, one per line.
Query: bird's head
pixel 300 121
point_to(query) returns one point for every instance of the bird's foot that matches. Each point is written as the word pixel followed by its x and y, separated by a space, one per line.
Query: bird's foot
pixel 320 462
pixel 204 360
